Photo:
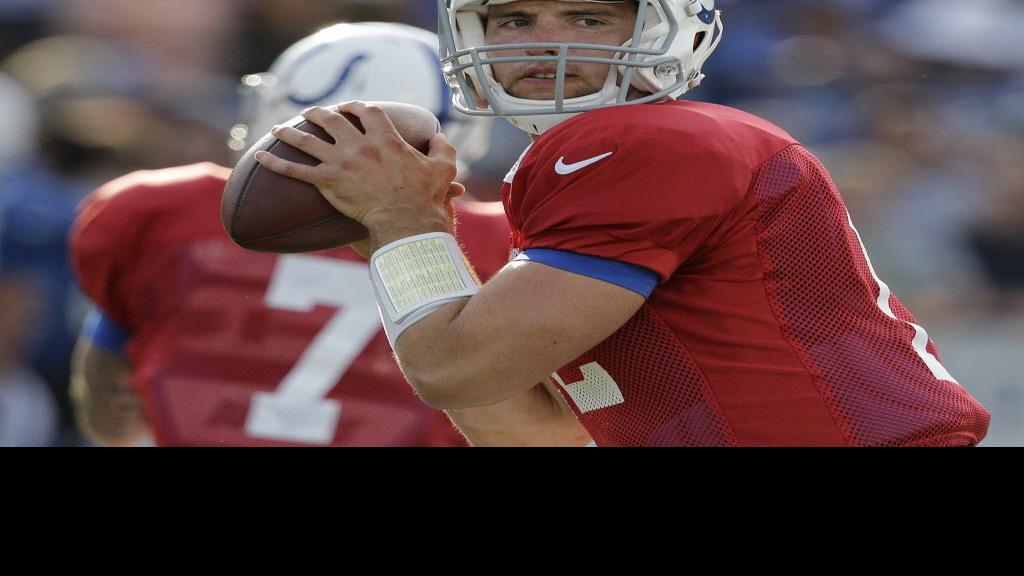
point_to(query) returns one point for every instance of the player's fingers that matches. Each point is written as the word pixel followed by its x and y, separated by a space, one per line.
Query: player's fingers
pixel 335 124
pixel 308 143
pixel 440 149
pixel 285 168
pixel 375 120
pixel 443 155
pixel 455 190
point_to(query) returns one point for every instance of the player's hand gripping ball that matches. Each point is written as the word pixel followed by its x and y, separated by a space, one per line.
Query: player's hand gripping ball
pixel 267 212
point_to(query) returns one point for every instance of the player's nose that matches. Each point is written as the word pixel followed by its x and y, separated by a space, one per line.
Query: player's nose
pixel 542 52
pixel 545 31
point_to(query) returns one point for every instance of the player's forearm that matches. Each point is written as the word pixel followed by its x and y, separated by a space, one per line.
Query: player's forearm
pixel 524 324
pixel 425 352
pixel 534 418
pixel 457 361
pixel 106 408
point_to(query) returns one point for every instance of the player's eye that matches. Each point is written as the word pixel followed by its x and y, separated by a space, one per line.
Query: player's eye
pixel 590 22
pixel 514 23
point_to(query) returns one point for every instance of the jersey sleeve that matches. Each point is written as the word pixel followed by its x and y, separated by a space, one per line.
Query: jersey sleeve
pixel 103 333
pixel 104 245
pixel 651 203
pixel 629 276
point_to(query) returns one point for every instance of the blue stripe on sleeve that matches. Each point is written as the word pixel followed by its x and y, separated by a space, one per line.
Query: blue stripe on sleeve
pixel 102 332
pixel 629 276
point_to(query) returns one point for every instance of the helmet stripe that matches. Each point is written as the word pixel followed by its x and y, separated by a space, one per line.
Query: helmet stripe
pixel 342 78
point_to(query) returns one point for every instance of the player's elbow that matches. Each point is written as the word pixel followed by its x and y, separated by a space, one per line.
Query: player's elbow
pixel 442 388
pixel 113 439
pixel 441 400
pixel 109 431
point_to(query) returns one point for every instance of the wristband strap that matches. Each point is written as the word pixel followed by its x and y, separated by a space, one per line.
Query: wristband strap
pixel 414 276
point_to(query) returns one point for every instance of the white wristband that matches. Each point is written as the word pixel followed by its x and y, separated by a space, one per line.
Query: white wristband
pixel 414 276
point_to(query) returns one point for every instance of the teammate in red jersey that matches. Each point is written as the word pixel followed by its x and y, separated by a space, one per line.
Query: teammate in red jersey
pixel 228 347
pixel 687 275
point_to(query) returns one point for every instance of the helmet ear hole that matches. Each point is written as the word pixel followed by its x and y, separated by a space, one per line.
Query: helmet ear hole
pixel 699 39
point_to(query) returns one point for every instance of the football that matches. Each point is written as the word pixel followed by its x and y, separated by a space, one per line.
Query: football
pixel 266 212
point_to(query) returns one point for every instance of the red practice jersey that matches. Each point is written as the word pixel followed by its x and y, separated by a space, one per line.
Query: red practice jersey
pixel 765 323
pixel 231 347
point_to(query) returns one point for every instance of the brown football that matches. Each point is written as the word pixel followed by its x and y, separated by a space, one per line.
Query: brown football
pixel 266 212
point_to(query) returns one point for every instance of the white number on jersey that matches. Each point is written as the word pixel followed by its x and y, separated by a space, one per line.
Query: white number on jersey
pixel 597 390
pixel 920 340
pixel 299 410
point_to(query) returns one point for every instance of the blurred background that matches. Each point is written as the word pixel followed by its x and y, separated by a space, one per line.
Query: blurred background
pixel 916 106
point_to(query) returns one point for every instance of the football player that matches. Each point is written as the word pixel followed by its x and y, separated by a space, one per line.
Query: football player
pixel 687 273
pixel 226 347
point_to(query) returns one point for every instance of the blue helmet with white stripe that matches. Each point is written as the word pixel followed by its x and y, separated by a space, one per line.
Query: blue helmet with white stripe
pixel 370 61
pixel 671 42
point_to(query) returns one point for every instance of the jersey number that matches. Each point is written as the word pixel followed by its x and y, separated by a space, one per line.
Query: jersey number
pixel 299 410
pixel 597 390
pixel 920 340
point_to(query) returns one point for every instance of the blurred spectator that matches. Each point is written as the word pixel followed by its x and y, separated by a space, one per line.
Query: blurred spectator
pixel 998 237
pixel 178 53
pixel 270 27
pixel 984 35
pixel 103 113
pixel 20 120
pixel 22 21
pixel 28 415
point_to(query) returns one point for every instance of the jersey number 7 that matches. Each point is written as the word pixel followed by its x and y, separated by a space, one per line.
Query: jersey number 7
pixel 299 410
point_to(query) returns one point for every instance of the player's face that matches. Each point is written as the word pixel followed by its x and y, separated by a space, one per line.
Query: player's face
pixel 546 21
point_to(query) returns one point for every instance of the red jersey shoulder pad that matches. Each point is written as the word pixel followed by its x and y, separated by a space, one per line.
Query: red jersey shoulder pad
pixel 112 222
pixel 147 191
pixel 128 187
pixel 669 129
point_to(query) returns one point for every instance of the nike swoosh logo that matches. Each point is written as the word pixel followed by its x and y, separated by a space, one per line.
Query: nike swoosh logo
pixel 565 169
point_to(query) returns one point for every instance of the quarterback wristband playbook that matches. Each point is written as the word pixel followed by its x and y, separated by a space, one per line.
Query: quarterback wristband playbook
pixel 414 276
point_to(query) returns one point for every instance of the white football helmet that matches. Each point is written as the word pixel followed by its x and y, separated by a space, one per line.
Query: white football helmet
pixel 359 61
pixel 664 58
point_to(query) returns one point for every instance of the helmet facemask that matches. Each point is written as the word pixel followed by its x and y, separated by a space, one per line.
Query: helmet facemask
pixel 660 60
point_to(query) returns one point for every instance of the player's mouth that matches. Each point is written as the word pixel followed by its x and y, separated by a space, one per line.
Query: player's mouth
pixel 538 83
pixel 542 76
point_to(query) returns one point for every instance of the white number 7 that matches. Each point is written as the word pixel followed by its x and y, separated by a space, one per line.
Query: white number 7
pixel 299 410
